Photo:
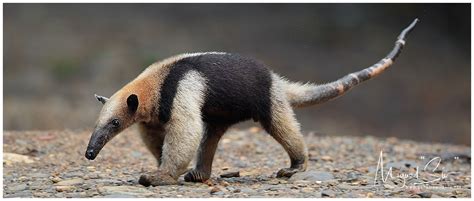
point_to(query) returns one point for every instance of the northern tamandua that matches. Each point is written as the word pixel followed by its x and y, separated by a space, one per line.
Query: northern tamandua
pixel 184 104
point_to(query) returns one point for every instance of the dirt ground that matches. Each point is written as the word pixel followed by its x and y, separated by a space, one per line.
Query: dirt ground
pixel 52 164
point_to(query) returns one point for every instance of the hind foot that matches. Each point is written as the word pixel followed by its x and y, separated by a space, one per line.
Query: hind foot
pixel 197 176
pixel 157 178
pixel 288 172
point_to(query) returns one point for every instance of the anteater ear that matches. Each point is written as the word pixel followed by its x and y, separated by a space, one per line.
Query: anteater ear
pixel 102 99
pixel 132 103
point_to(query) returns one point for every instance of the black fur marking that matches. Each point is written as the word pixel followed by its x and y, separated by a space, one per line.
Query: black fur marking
pixel 364 75
pixel 298 162
pixel 132 103
pixel 395 52
pixel 349 81
pixel 238 88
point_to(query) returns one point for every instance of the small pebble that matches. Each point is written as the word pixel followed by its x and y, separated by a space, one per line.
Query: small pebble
pixel 224 183
pixel 218 193
pixel 65 188
pixel 425 194
pixel 16 158
pixel 209 182
pixel 70 182
pixel 254 129
pixel 230 175
pixel 56 179
pixel 328 193
pixel 307 190
pixel 326 158
pixel 370 195
pixel 16 188
pixel 215 189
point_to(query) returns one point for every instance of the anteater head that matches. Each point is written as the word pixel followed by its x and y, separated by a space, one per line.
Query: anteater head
pixel 118 113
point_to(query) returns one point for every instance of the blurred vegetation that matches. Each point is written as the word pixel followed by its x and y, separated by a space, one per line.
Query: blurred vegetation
pixel 56 56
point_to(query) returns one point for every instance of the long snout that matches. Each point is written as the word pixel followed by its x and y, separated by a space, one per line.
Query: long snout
pixel 98 140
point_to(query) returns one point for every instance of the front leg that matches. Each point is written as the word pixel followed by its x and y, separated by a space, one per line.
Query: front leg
pixel 153 136
pixel 180 146
pixel 184 132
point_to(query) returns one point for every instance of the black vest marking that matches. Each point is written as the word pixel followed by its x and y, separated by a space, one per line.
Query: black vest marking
pixel 238 88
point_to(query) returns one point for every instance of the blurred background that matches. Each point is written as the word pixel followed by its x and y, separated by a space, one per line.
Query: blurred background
pixel 56 56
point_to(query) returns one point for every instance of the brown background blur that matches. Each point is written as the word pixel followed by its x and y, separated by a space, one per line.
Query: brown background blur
pixel 56 56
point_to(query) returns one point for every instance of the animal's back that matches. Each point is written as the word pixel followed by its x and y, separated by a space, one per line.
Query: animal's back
pixel 238 88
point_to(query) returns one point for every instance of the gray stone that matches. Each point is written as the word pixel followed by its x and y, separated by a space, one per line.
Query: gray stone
pixel 70 182
pixel 65 188
pixel 312 176
pixel 36 186
pixel 274 188
pixel 107 181
pixel 16 188
pixel 86 186
pixel 76 195
pixel 349 195
pixel 328 193
pixel 425 194
pixel 73 174
pixel 124 190
pixel 247 190
pixel 120 195
pixel 218 193
pixel 352 176
pixel 39 175
pixel 23 194
pixel 59 195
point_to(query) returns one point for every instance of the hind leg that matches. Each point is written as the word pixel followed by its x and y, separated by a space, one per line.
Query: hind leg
pixel 153 137
pixel 284 128
pixel 207 149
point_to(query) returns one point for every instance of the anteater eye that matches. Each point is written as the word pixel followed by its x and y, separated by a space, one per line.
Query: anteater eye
pixel 115 123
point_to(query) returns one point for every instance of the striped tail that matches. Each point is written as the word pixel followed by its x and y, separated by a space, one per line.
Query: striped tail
pixel 300 95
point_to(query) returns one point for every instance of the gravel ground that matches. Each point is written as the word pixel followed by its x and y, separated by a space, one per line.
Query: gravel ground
pixel 51 164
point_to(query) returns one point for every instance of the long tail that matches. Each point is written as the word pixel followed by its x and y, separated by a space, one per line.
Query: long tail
pixel 300 95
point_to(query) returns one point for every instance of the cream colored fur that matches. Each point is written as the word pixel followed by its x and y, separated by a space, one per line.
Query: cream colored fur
pixel 284 126
pixel 296 92
pixel 185 129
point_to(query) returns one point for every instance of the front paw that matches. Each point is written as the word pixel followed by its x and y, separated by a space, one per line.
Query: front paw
pixel 197 176
pixel 157 179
